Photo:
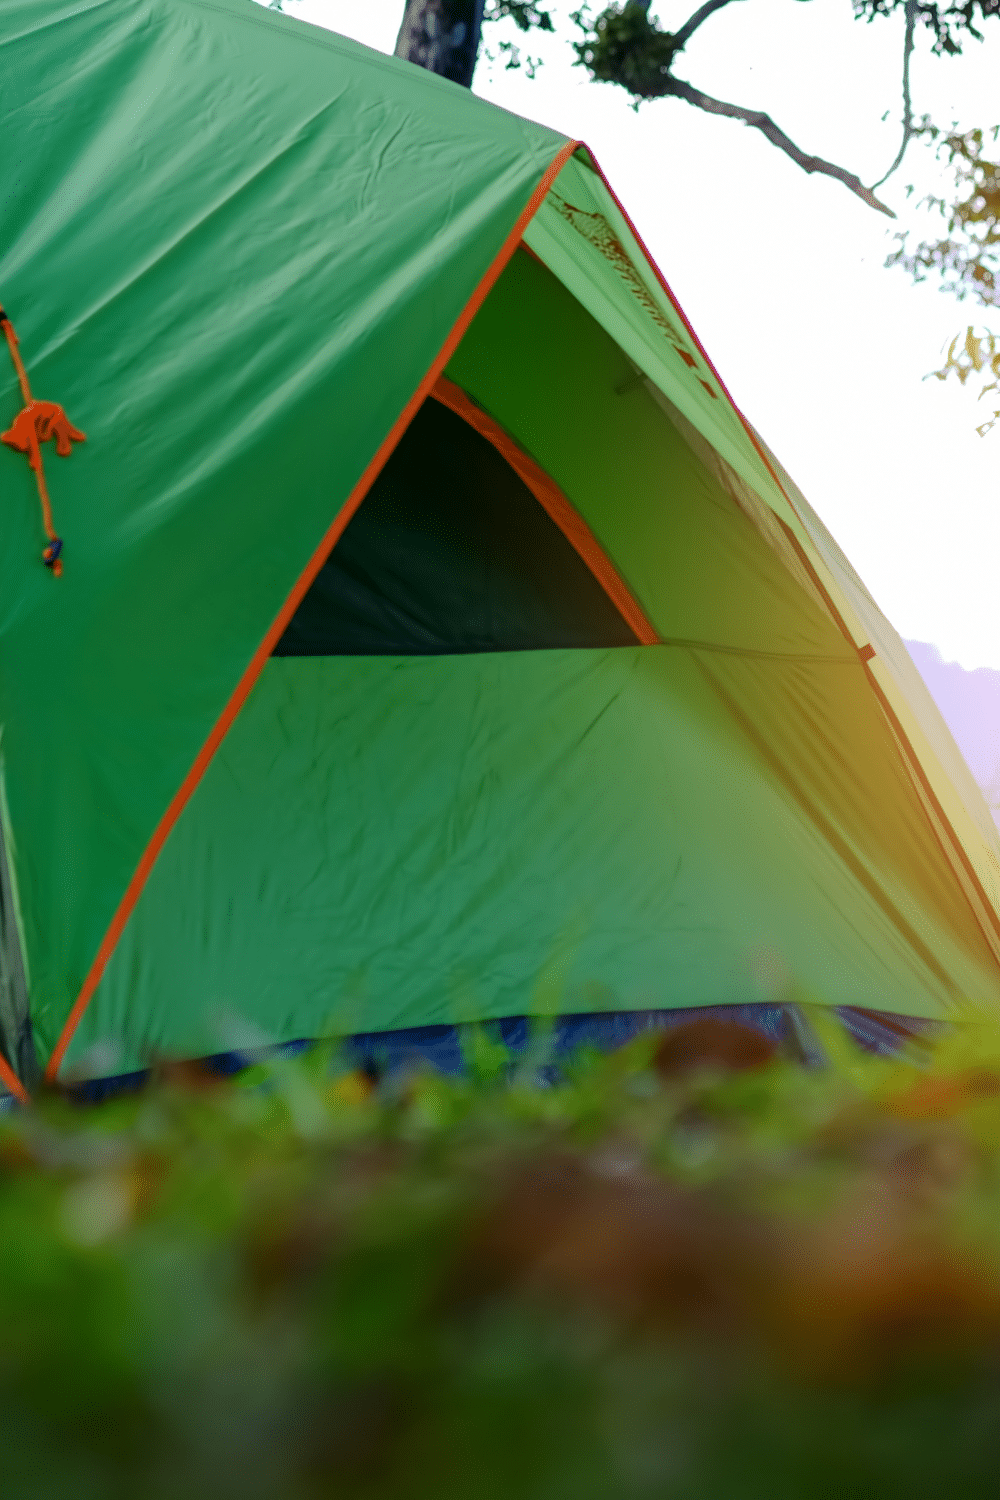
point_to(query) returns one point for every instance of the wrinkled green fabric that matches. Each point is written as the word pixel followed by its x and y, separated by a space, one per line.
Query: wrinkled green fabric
pixel 408 841
pixel 388 842
pixel 708 580
pixel 581 234
pixel 565 391
pixel 231 246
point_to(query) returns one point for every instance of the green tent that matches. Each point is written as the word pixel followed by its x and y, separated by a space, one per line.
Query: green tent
pixel 434 640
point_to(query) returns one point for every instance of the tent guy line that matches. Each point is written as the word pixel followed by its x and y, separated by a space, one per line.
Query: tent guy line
pixel 39 422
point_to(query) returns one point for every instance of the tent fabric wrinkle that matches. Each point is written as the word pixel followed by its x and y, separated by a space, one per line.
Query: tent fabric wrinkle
pixel 440 644
pixel 232 708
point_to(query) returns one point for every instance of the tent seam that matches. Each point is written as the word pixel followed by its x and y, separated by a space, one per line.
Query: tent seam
pixel 556 504
pixel 257 662
pixel 914 768
pixel 912 763
pixel 959 849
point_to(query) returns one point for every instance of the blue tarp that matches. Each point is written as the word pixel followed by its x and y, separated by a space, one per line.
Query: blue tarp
pixel 446 1048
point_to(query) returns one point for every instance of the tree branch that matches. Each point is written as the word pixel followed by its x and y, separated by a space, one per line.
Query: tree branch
pixel 442 36
pixel 762 122
pixel 911 24
pixel 691 26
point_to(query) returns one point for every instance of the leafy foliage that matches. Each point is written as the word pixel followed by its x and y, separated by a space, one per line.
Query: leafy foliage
pixel 527 16
pixel 689 1268
pixel 622 45
pixel 951 25
pixel 967 258
pixel 978 355
pixel 524 13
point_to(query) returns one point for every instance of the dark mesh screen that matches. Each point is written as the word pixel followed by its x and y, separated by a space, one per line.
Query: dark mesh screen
pixel 451 552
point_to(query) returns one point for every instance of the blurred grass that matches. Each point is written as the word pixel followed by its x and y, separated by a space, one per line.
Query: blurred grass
pixel 692 1268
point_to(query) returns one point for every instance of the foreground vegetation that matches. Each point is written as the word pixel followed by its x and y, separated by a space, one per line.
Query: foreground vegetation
pixel 692 1268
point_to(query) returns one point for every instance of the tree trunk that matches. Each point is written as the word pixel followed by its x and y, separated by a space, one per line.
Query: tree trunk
pixel 442 36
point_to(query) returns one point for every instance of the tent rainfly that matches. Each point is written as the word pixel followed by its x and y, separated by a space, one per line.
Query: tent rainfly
pixel 435 641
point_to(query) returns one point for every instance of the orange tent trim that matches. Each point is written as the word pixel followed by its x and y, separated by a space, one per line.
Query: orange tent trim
pixel 986 919
pixel 257 663
pixel 552 500
pixel 12 1083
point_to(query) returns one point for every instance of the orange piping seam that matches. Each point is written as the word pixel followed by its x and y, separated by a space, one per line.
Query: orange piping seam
pixel 911 760
pixel 12 1083
pixel 883 701
pixel 803 555
pixel 917 770
pixel 187 787
pixel 552 500
pixel 694 337
pixel 879 694
pixel 818 584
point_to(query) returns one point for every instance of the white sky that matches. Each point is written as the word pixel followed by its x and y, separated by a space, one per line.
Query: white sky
pixel 782 275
